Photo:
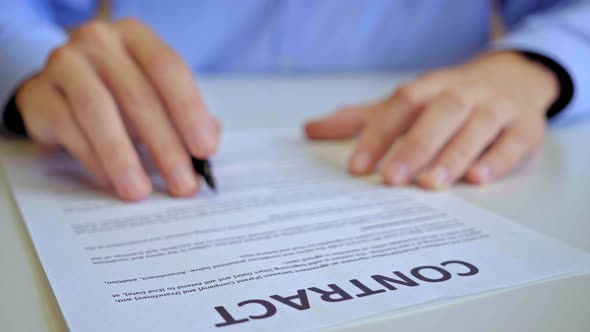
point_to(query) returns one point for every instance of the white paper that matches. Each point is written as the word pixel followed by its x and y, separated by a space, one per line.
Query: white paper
pixel 290 242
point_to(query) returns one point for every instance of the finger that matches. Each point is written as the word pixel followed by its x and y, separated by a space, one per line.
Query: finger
pixel 345 123
pixel 54 112
pixel 439 121
pixel 145 113
pixel 513 146
pixel 378 135
pixel 96 113
pixel 175 84
pixel 348 121
pixel 30 100
pixel 483 126
pixel 393 118
pixel 73 140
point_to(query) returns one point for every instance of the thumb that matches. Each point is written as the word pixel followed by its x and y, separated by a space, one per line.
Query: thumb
pixel 344 123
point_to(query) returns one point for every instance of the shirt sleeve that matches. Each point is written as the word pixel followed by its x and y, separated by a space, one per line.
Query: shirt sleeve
pixel 561 33
pixel 28 34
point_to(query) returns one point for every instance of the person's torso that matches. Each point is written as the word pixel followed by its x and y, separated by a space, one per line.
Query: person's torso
pixel 310 35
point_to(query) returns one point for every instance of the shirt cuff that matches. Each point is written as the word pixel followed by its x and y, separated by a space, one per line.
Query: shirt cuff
pixel 24 54
pixel 565 49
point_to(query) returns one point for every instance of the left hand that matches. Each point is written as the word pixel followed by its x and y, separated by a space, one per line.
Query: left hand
pixel 476 121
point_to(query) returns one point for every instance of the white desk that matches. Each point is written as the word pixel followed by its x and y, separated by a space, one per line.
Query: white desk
pixel 550 194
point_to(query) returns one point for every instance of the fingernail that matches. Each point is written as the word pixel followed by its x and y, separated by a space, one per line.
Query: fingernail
pixel 132 184
pixel 184 180
pixel 483 173
pixel 361 162
pixel 397 173
pixel 207 133
pixel 438 176
pixel 203 137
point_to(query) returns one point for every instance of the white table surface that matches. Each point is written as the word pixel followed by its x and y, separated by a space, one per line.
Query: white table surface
pixel 549 194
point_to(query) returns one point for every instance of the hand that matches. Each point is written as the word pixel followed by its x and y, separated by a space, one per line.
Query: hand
pixel 111 83
pixel 475 121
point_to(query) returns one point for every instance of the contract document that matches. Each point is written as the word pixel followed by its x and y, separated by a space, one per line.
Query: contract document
pixel 290 242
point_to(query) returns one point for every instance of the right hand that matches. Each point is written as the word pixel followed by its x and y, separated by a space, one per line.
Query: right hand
pixel 113 82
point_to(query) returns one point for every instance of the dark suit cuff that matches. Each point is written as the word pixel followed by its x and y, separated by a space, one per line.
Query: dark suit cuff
pixel 12 119
pixel 566 84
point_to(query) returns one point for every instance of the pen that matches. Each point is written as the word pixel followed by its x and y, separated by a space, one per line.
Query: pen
pixel 203 168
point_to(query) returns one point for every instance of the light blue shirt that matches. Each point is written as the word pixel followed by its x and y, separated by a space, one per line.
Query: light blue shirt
pixel 268 36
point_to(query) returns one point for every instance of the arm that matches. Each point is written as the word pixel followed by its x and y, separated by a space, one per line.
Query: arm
pixel 27 36
pixel 96 90
pixel 561 33
pixel 478 120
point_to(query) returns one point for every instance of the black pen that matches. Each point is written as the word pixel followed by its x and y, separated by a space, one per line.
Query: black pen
pixel 203 168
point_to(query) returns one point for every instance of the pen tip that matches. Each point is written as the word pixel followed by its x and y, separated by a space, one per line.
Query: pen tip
pixel 211 183
pixel 203 167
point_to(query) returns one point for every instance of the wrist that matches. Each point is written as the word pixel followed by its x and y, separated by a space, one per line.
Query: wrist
pixel 565 84
pixel 546 82
pixel 537 84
